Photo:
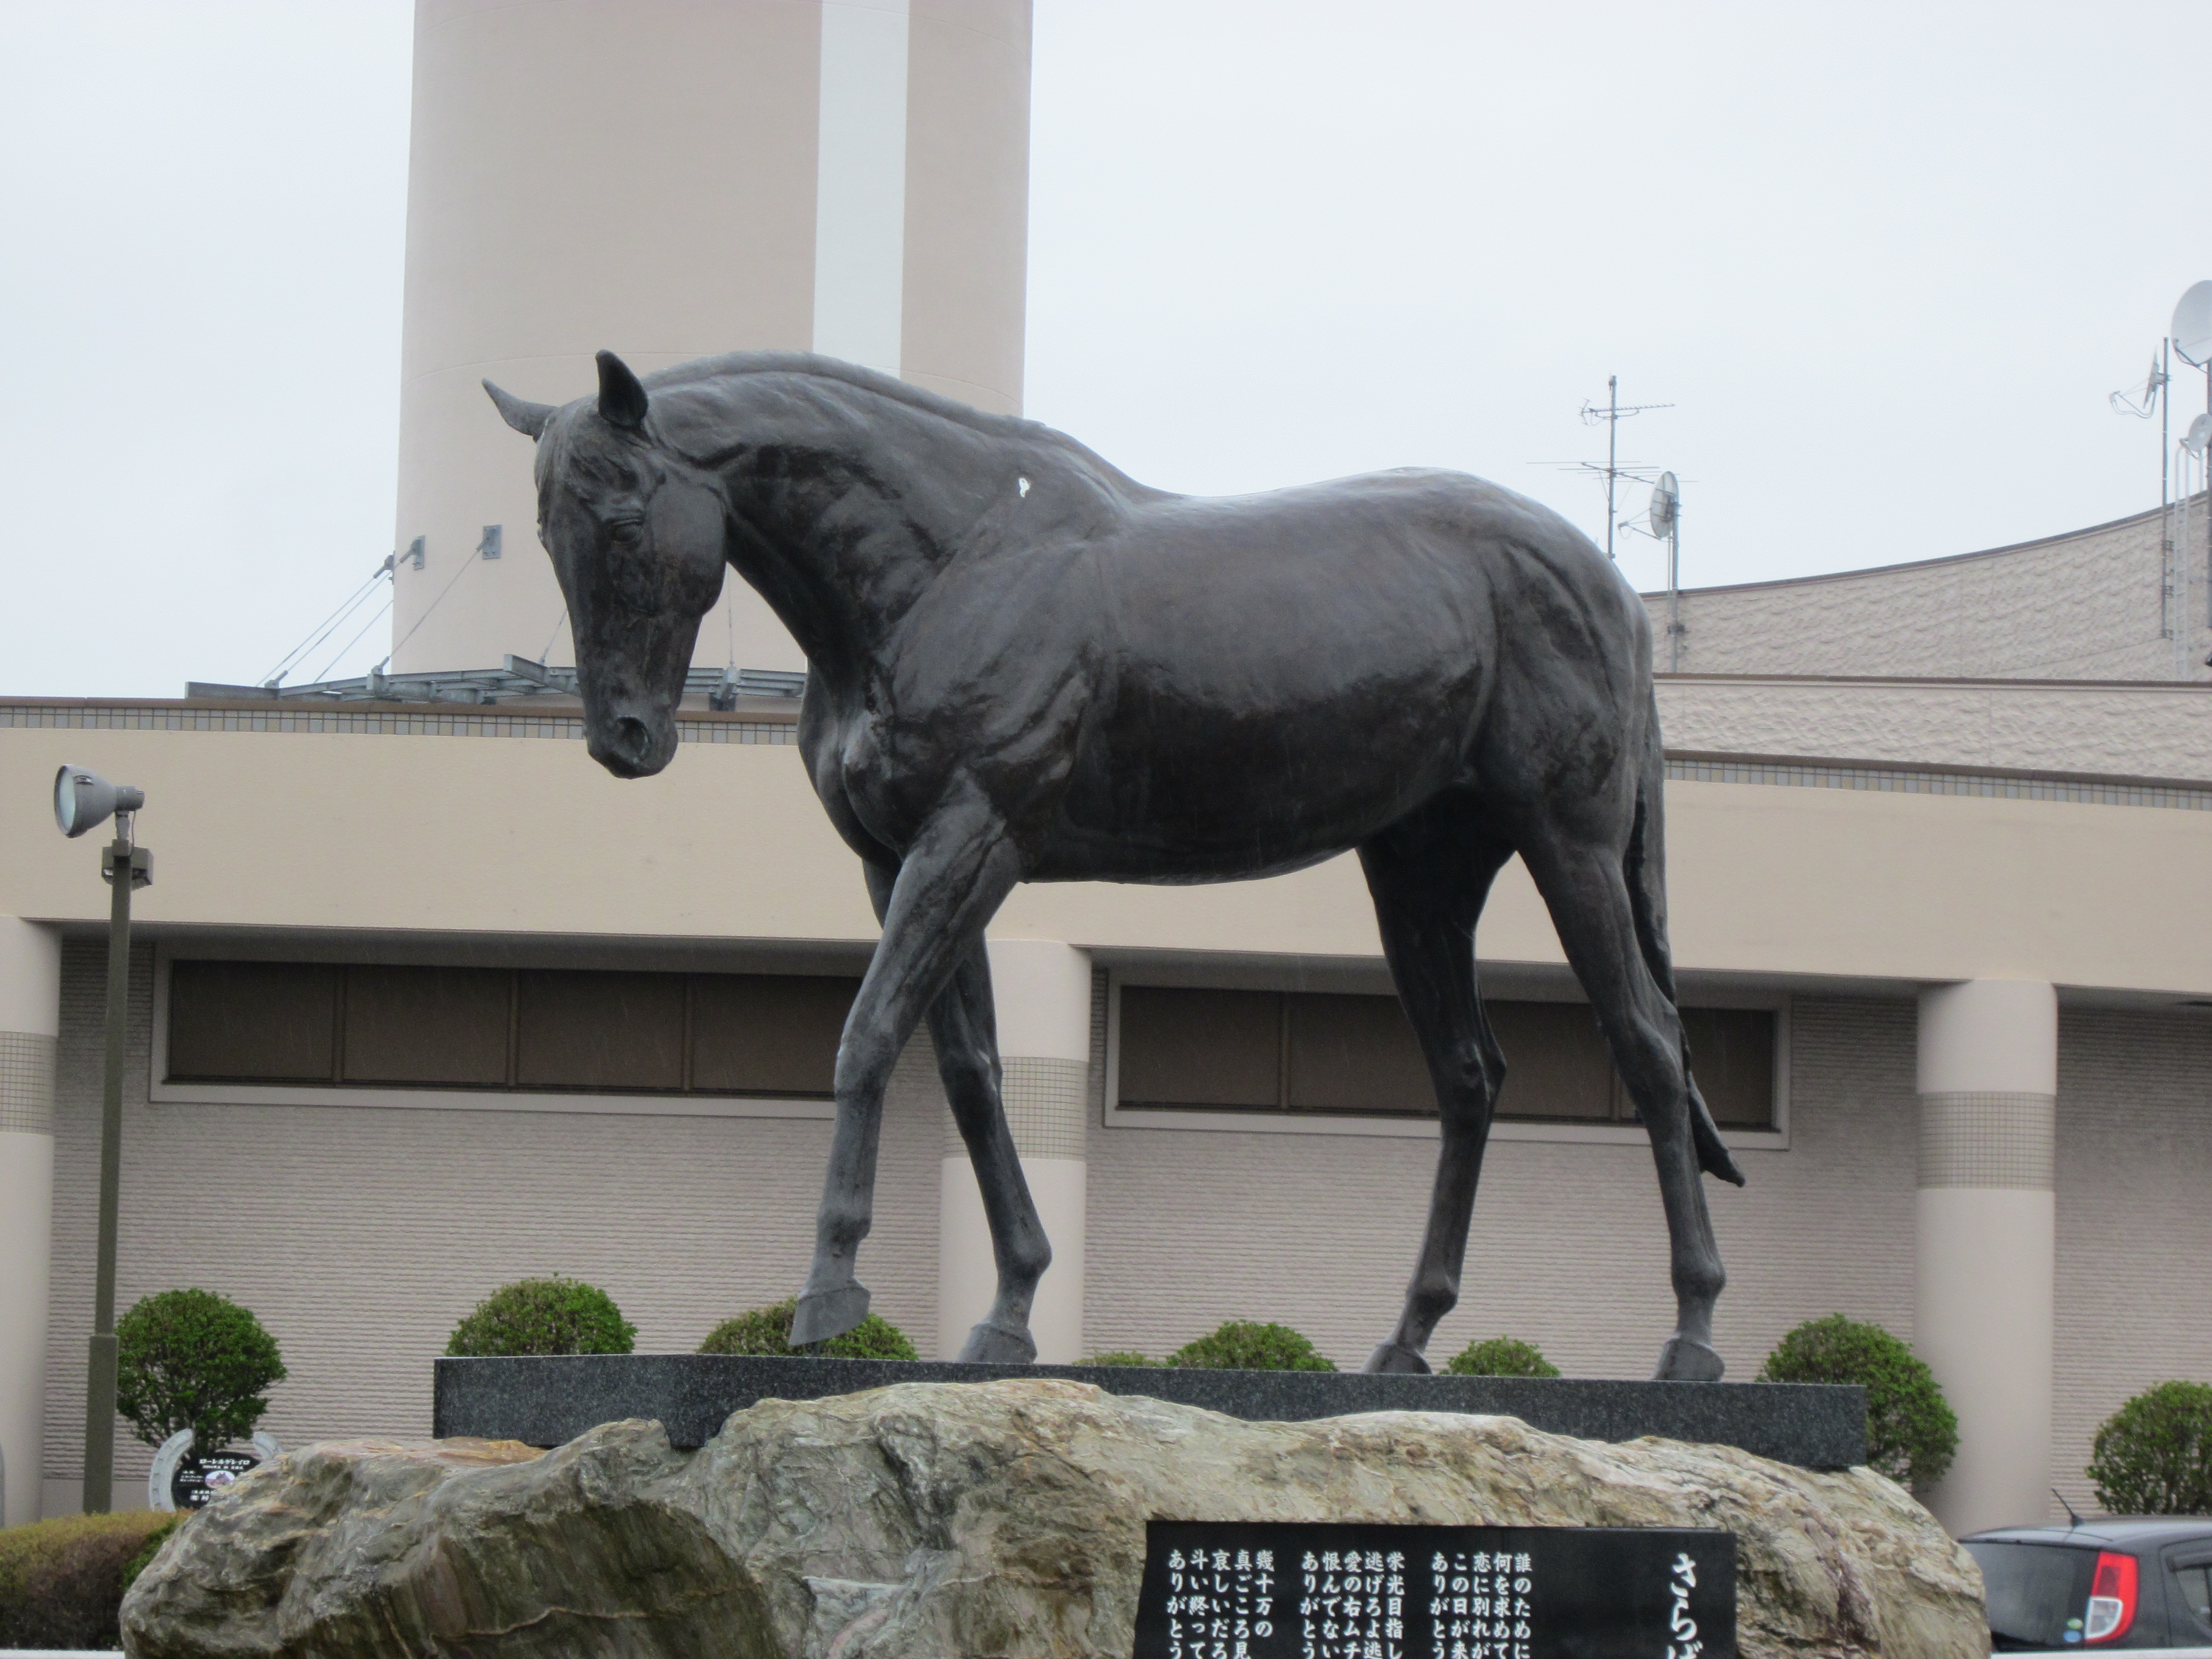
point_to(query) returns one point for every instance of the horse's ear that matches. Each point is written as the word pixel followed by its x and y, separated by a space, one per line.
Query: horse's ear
pixel 622 397
pixel 528 418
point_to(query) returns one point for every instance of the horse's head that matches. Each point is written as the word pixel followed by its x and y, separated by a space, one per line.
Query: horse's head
pixel 637 539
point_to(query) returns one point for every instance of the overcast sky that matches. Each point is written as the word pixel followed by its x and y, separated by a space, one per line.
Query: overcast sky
pixel 1886 262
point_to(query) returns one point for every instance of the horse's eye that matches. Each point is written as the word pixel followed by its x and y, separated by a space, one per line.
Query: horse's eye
pixel 627 532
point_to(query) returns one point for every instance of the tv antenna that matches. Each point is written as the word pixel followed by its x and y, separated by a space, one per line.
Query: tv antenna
pixel 1662 522
pixel 1615 412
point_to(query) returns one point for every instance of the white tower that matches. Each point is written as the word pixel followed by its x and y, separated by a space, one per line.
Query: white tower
pixel 671 179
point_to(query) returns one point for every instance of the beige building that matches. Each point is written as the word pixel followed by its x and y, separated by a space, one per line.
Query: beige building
pixel 424 1001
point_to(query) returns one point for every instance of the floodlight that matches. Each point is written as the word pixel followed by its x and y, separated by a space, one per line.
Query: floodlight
pixel 85 800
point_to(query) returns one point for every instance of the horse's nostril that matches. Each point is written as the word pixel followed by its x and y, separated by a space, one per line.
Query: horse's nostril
pixel 631 738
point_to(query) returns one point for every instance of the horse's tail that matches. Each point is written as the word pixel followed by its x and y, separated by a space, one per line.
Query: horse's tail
pixel 1645 867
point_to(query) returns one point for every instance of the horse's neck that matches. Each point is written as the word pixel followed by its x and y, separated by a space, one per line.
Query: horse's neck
pixel 849 533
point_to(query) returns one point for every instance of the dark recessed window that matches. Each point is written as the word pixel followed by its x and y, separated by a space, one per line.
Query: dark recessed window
pixel 420 1026
pixel 773 1036
pixel 253 1021
pixel 1265 1051
pixel 584 1031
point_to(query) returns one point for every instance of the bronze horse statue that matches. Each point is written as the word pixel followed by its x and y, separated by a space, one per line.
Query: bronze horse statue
pixel 1024 666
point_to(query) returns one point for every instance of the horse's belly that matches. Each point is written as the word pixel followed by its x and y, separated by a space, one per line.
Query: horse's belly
pixel 1256 801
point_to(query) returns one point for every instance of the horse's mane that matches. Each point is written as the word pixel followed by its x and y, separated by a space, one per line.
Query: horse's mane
pixel 1012 427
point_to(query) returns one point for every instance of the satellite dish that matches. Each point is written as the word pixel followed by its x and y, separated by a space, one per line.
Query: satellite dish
pixel 1666 505
pixel 2192 326
pixel 2200 434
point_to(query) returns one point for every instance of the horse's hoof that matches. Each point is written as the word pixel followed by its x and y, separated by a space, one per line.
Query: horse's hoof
pixel 824 1314
pixel 1398 1359
pixel 1686 1359
pixel 998 1345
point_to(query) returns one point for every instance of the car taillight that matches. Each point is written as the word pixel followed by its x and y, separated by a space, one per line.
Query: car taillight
pixel 2111 1598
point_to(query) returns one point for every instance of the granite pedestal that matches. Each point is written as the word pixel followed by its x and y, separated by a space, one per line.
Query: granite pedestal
pixel 548 1400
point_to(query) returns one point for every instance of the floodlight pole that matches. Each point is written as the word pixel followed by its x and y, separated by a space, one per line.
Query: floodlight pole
pixel 123 867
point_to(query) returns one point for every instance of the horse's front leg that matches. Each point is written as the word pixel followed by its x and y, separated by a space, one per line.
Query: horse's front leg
pixel 959 870
pixel 963 1025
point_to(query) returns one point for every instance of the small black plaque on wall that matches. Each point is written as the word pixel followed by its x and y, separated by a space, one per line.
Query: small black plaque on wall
pixel 1237 1591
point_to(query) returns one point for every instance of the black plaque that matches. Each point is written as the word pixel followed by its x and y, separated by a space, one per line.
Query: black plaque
pixel 1240 1590
pixel 199 1481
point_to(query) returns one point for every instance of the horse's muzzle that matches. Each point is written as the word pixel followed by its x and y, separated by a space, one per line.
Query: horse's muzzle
pixel 630 748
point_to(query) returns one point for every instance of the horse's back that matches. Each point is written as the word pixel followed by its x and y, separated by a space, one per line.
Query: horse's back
pixel 1287 673
pixel 1416 578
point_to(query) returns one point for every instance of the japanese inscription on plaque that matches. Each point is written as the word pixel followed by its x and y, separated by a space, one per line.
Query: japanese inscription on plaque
pixel 1238 1591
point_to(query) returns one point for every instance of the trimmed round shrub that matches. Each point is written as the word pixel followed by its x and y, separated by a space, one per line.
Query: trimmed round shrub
pixel 1244 1345
pixel 2153 1456
pixel 1501 1356
pixel 61 1581
pixel 763 1330
pixel 1912 1432
pixel 1119 1357
pixel 545 1315
pixel 192 1359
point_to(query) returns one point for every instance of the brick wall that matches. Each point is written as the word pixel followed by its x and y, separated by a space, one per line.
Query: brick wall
pixel 1568 1248
pixel 2146 731
pixel 360 1236
pixel 2084 607
pixel 2135 1218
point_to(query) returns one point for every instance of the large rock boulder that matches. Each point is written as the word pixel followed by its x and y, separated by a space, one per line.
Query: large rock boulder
pixel 961 1522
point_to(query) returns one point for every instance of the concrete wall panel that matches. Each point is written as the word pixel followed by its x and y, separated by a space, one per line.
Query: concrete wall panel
pixel 329 830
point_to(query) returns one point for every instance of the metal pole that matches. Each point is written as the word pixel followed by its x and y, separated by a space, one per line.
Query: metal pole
pixel 2166 535
pixel 118 867
pixel 1674 589
pixel 1612 451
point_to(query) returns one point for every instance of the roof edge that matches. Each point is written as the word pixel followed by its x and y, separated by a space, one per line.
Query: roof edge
pixel 1938 769
pixel 1930 680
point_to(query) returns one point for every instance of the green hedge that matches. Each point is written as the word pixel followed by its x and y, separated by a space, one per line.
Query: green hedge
pixel 61 1581
pixel 764 1330
pixel 192 1359
pixel 1119 1357
pixel 1912 1432
pixel 2153 1456
pixel 1246 1346
pixel 545 1315
pixel 1501 1356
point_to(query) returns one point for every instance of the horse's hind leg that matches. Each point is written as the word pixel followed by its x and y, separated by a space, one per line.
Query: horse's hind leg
pixel 1429 874
pixel 965 1028
pixel 954 877
pixel 1585 888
